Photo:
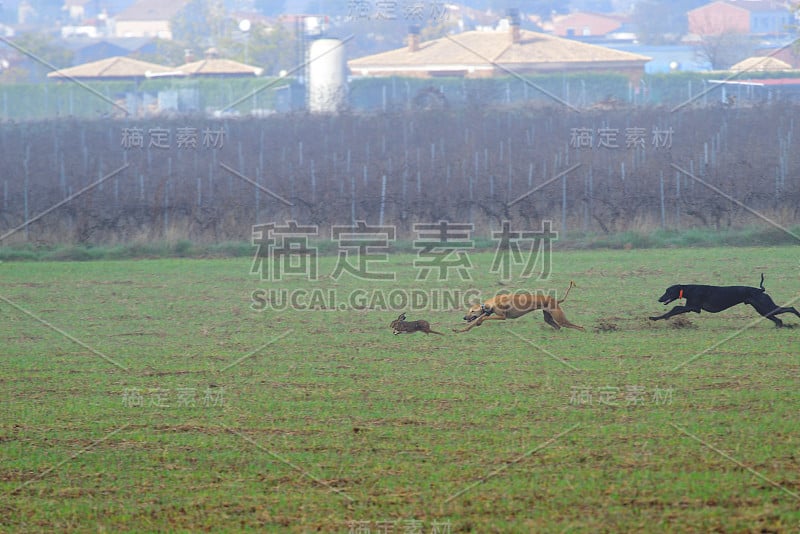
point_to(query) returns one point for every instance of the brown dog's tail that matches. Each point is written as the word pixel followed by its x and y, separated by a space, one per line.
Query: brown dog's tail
pixel 566 293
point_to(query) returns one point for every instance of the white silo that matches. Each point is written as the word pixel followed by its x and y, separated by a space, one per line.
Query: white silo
pixel 327 83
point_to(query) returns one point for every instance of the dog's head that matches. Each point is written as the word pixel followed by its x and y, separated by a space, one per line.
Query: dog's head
pixel 476 310
pixel 672 293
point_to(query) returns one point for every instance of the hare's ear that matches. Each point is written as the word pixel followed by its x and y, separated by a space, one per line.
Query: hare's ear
pixel 402 317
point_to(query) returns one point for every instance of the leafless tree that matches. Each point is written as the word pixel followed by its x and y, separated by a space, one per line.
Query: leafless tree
pixel 724 49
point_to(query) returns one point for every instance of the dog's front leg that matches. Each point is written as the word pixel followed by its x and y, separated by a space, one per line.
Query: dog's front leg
pixel 475 322
pixel 469 327
pixel 677 310
pixel 496 317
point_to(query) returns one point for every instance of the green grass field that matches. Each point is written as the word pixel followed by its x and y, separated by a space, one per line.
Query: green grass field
pixel 148 396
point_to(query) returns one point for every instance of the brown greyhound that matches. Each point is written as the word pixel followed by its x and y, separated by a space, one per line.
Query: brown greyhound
pixel 512 306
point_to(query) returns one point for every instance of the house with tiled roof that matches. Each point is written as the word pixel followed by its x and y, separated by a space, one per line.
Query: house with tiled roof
pixel 761 64
pixel 582 24
pixel 755 17
pixel 114 68
pixel 788 54
pixel 510 50
pixel 148 18
pixel 217 67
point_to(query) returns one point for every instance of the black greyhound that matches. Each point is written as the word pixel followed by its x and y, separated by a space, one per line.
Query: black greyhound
pixel 717 298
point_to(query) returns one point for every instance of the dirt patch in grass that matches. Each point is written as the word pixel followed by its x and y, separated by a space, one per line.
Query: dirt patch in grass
pixel 605 325
pixel 681 322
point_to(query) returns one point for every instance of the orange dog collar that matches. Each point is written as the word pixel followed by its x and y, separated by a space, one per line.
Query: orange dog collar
pixel 680 295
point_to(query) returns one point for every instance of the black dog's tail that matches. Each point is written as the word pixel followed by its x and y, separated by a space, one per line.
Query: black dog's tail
pixel 761 285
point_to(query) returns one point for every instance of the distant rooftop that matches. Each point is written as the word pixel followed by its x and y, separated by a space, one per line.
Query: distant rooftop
pixel 475 51
pixel 152 10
